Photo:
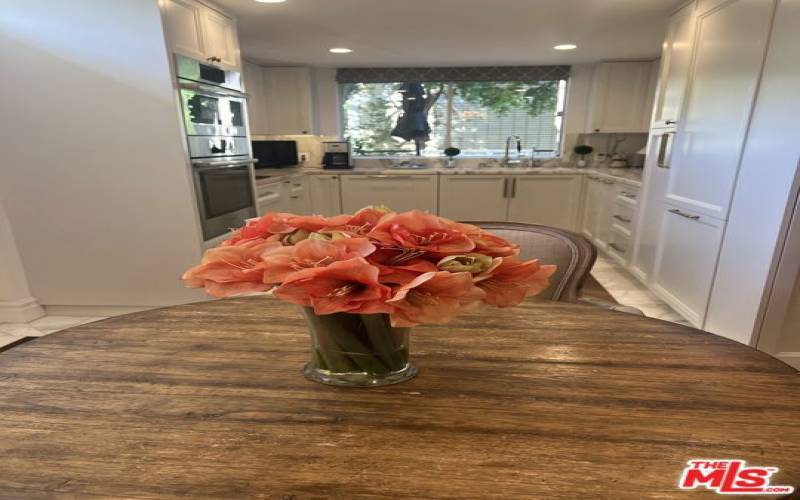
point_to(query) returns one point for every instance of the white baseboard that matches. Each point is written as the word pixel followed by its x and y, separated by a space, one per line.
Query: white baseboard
pixel 20 311
pixel 691 316
pixel 93 311
pixel 790 358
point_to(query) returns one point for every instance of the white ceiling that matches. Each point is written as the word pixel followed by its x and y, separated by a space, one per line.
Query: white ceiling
pixel 448 32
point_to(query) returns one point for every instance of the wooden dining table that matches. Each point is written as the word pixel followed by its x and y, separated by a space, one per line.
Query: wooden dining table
pixel 545 400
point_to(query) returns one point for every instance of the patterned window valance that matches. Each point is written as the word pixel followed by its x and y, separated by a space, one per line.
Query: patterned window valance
pixel 465 74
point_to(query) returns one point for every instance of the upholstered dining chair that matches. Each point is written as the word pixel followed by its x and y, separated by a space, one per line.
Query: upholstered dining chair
pixel 573 255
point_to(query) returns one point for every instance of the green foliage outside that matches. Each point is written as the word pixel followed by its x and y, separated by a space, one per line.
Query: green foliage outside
pixel 371 110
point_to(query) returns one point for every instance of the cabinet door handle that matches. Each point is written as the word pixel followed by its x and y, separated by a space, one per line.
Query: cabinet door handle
pixel 505 187
pixel 622 219
pixel 616 247
pixel 514 187
pixel 670 122
pixel 294 197
pixel 683 214
pixel 664 150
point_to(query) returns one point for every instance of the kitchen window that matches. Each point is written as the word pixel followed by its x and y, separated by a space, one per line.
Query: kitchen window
pixel 474 116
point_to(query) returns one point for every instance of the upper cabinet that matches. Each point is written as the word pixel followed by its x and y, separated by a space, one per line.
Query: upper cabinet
pixel 676 60
pixel 200 32
pixel 287 96
pixel 621 97
pixel 280 100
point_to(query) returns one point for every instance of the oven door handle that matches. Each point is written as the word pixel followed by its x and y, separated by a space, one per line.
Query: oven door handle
pixel 209 89
pixel 223 164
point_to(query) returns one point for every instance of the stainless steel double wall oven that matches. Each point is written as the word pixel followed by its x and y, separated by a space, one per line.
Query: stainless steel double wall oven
pixel 214 114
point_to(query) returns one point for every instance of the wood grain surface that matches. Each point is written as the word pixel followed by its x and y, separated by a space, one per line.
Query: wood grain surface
pixel 547 400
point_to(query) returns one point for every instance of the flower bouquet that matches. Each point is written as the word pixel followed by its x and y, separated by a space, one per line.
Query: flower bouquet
pixel 364 280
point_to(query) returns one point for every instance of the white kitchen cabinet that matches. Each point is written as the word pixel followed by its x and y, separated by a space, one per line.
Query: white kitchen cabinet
pixel 592 201
pixel 729 54
pixel 297 199
pixel 399 192
pixel 550 200
pixel 598 210
pixel 287 100
pixel 649 215
pixel 253 78
pixel 271 197
pixel 219 36
pixel 676 59
pixel 200 32
pixel 620 98
pixel 686 260
pixel 183 20
pixel 473 197
pixel 325 194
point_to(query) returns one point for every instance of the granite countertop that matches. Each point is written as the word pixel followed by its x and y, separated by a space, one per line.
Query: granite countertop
pixel 630 176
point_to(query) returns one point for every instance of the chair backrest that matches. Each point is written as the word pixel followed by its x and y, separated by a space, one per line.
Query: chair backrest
pixel 572 253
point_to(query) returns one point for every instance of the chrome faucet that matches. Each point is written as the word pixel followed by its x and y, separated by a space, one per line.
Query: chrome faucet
pixel 507 158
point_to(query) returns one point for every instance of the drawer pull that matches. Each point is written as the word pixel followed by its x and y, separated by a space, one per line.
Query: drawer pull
pixel 616 247
pixel 628 195
pixel 622 219
pixel 683 214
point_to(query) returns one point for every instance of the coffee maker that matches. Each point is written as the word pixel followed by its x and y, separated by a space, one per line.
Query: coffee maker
pixel 336 155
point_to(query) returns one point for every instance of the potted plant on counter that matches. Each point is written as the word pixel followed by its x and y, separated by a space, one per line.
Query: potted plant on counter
pixel 364 280
pixel 582 150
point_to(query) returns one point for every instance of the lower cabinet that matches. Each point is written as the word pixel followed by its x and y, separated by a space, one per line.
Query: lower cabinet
pixel 398 192
pixel 270 197
pixel 598 210
pixel 473 197
pixel 297 199
pixel 325 194
pixel 686 261
pixel 551 200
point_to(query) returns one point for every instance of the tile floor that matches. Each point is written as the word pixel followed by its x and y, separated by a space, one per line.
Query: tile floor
pixel 622 286
pixel 629 291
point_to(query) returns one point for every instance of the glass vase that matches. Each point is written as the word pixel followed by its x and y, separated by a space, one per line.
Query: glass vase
pixel 357 350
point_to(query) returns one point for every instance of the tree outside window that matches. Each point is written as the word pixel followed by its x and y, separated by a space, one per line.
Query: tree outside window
pixel 475 117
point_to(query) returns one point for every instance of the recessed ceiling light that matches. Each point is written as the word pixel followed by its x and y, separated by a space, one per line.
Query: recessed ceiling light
pixel 270 1
pixel 566 46
pixel 340 50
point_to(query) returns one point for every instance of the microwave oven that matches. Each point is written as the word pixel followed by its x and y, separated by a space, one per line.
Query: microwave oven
pixel 275 154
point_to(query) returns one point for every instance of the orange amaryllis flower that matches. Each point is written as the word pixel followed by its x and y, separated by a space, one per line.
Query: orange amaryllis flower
pixel 313 223
pixel 273 223
pixel 420 231
pixel 280 263
pixel 398 266
pixel 366 219
pixel 487 243
pixel 434 298
pixel 349 286
pixel 231 270
pixel 511 280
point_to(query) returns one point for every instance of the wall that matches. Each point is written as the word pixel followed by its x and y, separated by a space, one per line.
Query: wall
pixel 764 186
pixel 94 178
